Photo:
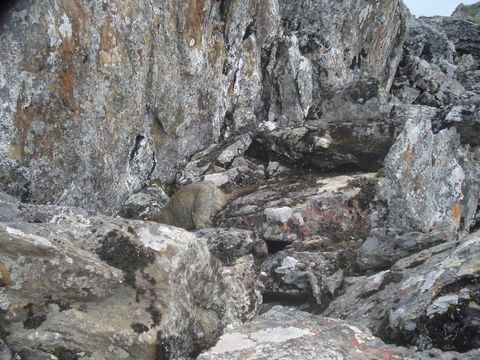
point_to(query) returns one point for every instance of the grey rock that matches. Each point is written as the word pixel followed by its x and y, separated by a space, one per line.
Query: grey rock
pixel 463 115
pixel 429 299
pixel 236 149
pixel 467 12
pixel 286 333
pixel 383 247
pixel 303 275
pixel 227 245
pixel 98 99
pixel 5 353
pixel 306 207
pixel 106 286
pixel 144 203
pixel 355 132
pixel 431 180
pixel 464 34
pixel 440 61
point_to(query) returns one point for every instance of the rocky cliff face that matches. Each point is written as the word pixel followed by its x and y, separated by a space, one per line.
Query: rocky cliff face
pixel 358 123
pixel 99 98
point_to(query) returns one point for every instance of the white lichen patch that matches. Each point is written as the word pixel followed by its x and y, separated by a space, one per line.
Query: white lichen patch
pixel 65 27
pixel 232 342
pixel 339 183
pixel 442 305
pixel 279 334
pixel 37 240
pixel 361 336
pixel 378 278
pixel 281 215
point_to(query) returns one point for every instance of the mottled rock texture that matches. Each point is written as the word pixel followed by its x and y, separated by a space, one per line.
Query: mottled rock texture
pixel 431 180
pixel 440 63
pixel 430 299
pixel 113 288
pixel 97 98
pixel 356 128
pixel 285 333
pixel 336 208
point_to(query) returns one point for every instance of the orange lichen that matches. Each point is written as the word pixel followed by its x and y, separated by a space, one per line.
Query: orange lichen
pixel 5 278
pixel 457 214
pixel 194 22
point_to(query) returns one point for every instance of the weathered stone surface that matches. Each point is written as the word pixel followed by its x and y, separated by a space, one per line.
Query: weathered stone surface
pixel 99 98
pixel 144 203
pixel 468 12
pixel 463 115
pixel 430 179
pixel 326 45
pixel 115 288
pixel 227 245
pixel 428 299
pixel 286 333
pixel 336 208
pixel 354 132
pixel 431 187
pixel 383 246
pixel 440 62
pixel 5 353
pixel 302 276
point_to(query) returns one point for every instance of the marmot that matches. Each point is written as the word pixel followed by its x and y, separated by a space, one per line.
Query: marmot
pixel 195 205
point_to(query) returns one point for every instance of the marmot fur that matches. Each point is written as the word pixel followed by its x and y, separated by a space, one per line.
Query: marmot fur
pixel 195 205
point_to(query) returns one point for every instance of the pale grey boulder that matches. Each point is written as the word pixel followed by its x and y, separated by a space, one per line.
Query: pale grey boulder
pixel 286 333
pixel 431 188
pixel 431 180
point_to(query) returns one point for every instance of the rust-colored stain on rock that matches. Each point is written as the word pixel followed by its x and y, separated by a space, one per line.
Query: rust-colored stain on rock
pixel 5 279
pixel 194 21
pixel 457 214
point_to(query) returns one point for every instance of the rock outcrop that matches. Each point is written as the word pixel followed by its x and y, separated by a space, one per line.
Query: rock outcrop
pixel 291 334
pixel 99 98
pixel 113 289
pixel 357 123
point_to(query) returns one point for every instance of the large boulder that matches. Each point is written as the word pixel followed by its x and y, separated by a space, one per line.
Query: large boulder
pixel 429 299
pixel 468 12
pixel 335 208
pixel 286 333
pixel 431 187
pixel 431 180
pixel 97 98
pixel 113 288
